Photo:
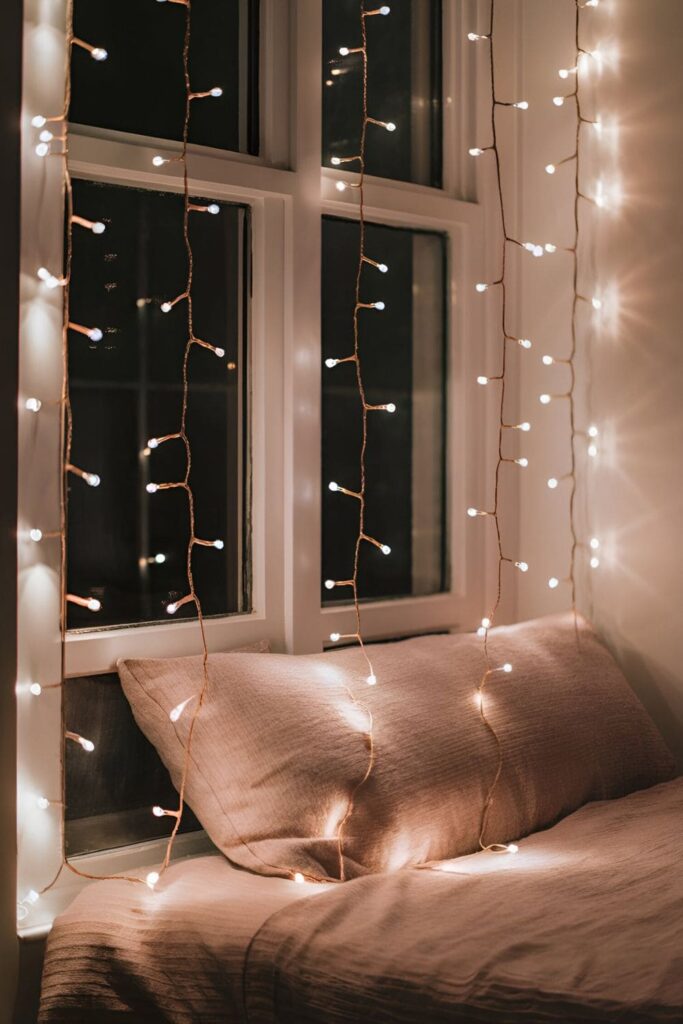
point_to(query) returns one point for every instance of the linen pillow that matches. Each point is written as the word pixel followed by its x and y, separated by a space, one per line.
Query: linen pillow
pixel 280 745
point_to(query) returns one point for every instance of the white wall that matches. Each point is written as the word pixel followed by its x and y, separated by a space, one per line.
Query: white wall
pixel 631 365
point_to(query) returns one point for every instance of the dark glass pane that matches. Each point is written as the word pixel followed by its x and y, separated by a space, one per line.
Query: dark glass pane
pixel 403 358
pixel 127 547
pixel 404 86
pixel 110 792
pixel 140 86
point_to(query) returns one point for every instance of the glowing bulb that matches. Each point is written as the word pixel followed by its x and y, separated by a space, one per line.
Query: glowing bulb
pixel 165 307
pixel 549 247
pixel 595 562
pixel 595 543
pixel 97 53
pixel 592 450
pixel 372 679
pixel 553 582
pixel 563 73
pixel 153 443
pixel 152 879
pixel 33 404
pixel 213 208
pixel 524 342
pixel 329 584
pixel 172 608
pixel 592 3
pixel 593 431
pixel 94 606
pixel 38 121
pixel 512 848
pixel 159 161
pixel 298 877
pixel 385 9
pixel 87 745
pixel 42 149
pixel 98 228
pixel 522 105
pixel 548 360
pixel 379 305
pixel 152 488
pixel 390 407
pixel 216 91
pixel 552 483
pixel 550 168
pixel 385 549
pixel 486 622
pixel 481 287
pixel 92 479
pixel 32 896
pixel 332 486
pixel 523 462
pixel 474 37
pixel 330 363
pixel 481 631
pixel 175 713
pixel 538 250
pixel 476 151
pixel 482 380
pixel 219 545
pixel 35 689
pixel 596 303
pixel 507 667
pixel 35 535
pixel 95 334
pixel 343 51
pixel 46 136
pixel 43 802
pixel 558 101
pixel 544 399
pixel 390 126
pixel 472 512
pixel 382 267
pixel 522 566
pixel 159 559
pixel 220 352
pixel 524 426
pixel 334 637
pixel 157 811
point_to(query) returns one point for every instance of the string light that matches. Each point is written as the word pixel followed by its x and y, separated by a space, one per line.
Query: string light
pixel 86 744
pixel 33 404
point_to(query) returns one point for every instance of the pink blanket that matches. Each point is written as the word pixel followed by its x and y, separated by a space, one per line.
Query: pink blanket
pixel 584 924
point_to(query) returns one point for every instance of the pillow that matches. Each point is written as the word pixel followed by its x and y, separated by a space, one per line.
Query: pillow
pixel 280 745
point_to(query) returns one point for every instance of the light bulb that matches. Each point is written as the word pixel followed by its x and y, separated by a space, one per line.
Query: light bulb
pixel 553 582
pixel 475 151
pixel 552 483
pixel 98 53
pixel 544 399
pixel 472 512
pixel 524 426
pixel 94 606
pixel 549 247
pixel 563 73
pixel 92 479
pixel 157 811
pixel 329 584
pixel 159 559
pixel 219 545
pixel 35 689
pixel 482 380
pixel 153 443
pixel 35 535
pixel 521 105
pixel 330 363
pixel 220 352
pixel 341 186
pixel 481 631
pixel 371 679
pixel 390 126
pixel 596 303
pixel 175 713
pixel 87 745
pixel 385 549
pixel 334 637
pixel 382 267
pixel 592 450
pixel 538 250
pixel 216 91
pixel 593 431
pixel 98 228
pixel 385 9
pixel 524 342
pixel 522 566
pixel 486 622
pixel 95 334
pixel 32 896
pixel 152 879
pixel 481 287
pixel 46 136
pixel 558 101
pixel 332 486
pixel 166 307
pixel 298 877
pixel 43 802
pixel 595 562
pixel 475 36
pixel 507 667
pixel 594 543
pixel 33 404
pixel 42 149
pixel 159 161
pixel 390 407
pixel 512 848
pixel 213 208
pixel 172 608
pixel 38 121
pixel 523 462
pixel 379 305
pixel 152 488
pixel 548 360
pixel 343 51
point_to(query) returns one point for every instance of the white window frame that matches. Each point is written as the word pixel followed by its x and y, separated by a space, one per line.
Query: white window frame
pixel 286 207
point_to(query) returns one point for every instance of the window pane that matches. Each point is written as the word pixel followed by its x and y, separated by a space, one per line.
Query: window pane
pixel 403 354
pixel 125 546
pixel 404 86
pixel 140 87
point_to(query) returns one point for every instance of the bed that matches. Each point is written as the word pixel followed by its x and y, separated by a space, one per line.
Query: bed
pixel 584 923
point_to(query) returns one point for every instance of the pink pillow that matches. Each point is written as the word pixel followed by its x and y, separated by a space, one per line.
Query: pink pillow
pixel 279 745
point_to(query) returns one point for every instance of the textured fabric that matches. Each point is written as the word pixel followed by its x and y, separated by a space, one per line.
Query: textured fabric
pixel 584 924
pixel 280 745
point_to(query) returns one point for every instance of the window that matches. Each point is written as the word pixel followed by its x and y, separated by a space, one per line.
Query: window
pixel 126 547
pixel 404 362
pixel 404 87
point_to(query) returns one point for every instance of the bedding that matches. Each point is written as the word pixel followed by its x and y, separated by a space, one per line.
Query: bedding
pixel 280 745
pixel 583 924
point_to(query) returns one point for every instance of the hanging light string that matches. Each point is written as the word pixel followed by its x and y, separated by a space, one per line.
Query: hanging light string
pixel 581 55
pixel 491 668
pixel 360 496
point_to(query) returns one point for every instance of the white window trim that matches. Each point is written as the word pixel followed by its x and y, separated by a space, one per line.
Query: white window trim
pixel 287 206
